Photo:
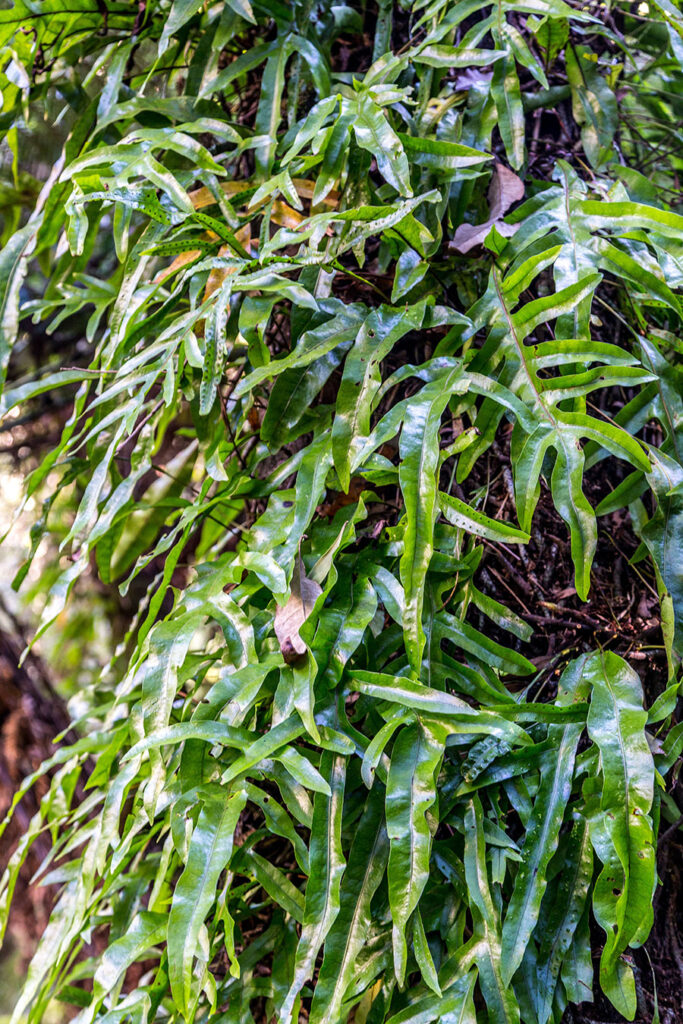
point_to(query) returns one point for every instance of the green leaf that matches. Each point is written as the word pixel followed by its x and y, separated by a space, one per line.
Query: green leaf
pixel 366 867
pixel 275 882
pixel 414 695
pixel 361 381
pixel 374 133
pixel 423 954
pixel 312 346
pixel 624 217
pixel 464 636
pixel 411 791
pixel 419 451
pixel 575 509
pixel 13 267
pixel 507 96
pixel 441 56
pixel 146 930
pixel 208 855
pixel 326 868
pixel 342 629
pixel 440 155
pixel 542 831
pixel 562 908
pixel 499 996
pixel 621 827
pixel 244 9
pixel 181 12
pixel 462 515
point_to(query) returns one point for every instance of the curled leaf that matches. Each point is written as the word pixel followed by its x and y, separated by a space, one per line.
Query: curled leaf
pixel 290 617
pixel 505 189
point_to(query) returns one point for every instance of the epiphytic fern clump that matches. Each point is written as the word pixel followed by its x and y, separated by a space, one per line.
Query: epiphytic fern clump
pixel 363 294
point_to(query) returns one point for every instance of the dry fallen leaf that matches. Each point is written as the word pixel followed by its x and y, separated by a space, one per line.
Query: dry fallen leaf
pixel 505 189
pixel 285 216
pixel 180 261
pixel 219 274
pixel 202 197
pixel 290 617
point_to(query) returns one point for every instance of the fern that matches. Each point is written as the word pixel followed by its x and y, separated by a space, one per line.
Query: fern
pixel 316 790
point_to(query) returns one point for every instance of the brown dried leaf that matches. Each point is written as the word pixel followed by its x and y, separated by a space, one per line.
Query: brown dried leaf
pixel 505 189
pixel 202 197
pixel 285 216
pixel 180 261
pixel 289 618
pixel 219 274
